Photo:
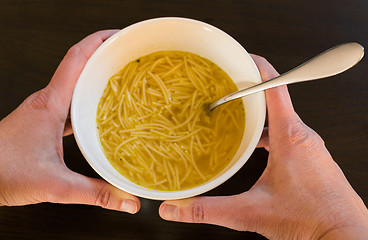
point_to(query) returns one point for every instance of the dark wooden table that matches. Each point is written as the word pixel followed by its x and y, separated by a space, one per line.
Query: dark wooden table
pixel 35 35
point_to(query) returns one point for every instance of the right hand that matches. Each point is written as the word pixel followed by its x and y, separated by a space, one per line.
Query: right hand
pixel 302 193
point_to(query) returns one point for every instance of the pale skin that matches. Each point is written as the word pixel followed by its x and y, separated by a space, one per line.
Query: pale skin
pixel 302 194
pixel 32 168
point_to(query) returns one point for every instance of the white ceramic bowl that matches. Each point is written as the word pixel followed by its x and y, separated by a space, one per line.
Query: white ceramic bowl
pixel 150 36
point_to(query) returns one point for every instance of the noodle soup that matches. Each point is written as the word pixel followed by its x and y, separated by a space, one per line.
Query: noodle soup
pixel 154 126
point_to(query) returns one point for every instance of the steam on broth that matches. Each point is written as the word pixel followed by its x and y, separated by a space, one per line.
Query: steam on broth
pixel 154 127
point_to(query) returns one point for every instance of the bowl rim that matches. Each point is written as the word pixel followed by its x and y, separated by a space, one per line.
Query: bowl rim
pixel 166 195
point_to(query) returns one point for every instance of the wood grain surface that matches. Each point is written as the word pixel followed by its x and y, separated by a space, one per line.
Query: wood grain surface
pixel 35 36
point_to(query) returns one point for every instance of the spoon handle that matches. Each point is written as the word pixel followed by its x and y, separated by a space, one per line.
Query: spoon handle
pixel 331 62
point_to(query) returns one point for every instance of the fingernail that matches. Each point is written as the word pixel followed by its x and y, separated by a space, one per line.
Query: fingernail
pixel 129 206
pixel 170 212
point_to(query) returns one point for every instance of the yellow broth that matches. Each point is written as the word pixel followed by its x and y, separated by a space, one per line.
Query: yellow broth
pixel 154 126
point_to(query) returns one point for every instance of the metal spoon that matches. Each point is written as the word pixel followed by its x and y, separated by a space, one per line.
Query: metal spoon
pixel 331 62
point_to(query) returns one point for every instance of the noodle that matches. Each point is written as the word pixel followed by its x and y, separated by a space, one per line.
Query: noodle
pixel 154 128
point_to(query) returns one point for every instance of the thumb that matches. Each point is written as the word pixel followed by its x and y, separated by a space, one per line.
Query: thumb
pixel 80 189
pixel 237 212
pixel 70 68
pixel 279 105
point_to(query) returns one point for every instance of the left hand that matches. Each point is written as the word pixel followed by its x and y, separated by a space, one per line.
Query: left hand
pixel 32 168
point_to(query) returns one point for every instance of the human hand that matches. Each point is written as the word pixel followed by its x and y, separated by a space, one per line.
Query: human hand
pixel 302 193
pixel 32 167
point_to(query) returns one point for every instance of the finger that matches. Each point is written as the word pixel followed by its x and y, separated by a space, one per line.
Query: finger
pixel 68 71
pixel 236 212
pixel 76 188
pixel 263 141
pixel 279 105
